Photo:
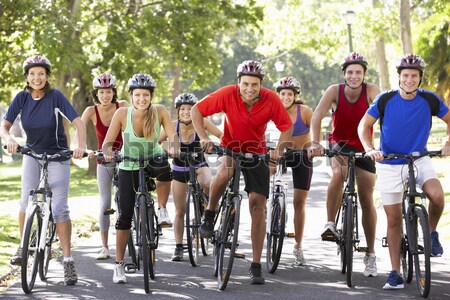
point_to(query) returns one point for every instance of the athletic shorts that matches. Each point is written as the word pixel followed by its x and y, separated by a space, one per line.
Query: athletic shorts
pixel 392 179
pixel 364 163
pixel 302 169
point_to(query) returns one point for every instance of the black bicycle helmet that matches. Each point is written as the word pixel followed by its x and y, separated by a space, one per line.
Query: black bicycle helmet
pixel 354 58
pixel 185 98
pixel 141 81
pixel 250 68
pixel 37 61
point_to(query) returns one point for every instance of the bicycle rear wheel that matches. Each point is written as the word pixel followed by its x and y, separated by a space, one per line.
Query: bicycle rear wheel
pixel 349 237
pixel 30 253
pixel 276 235
pixel 193 220
pixel 228 241
pixel 47 254
pixel 422 254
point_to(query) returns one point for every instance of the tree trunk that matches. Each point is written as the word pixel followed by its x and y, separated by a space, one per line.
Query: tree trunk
pixel 176 90
pixel 382 63
pixel 405 26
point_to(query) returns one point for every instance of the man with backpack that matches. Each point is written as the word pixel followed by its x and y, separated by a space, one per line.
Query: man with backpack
pixel 405 122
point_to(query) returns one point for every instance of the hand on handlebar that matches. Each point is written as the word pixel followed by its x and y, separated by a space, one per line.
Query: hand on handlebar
pixel 207 145
pixel 316 149
pixel 375 155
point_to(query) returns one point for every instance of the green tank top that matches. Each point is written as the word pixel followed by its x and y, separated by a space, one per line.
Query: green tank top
pixel 134 146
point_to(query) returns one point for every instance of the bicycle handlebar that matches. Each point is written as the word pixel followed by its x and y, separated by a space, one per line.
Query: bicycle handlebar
pixel 331 153
pixel 64 154
pixel 413 155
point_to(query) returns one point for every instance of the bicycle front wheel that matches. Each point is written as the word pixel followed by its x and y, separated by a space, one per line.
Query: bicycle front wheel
pixel 47 254
pixel 145 243
pixel 30 253
pixel 193 220
pixel 276 235
pixel 349 237
pixel 153 238
pixel 407 260
pixel 228 241
pixel 205 243
pixel 422 254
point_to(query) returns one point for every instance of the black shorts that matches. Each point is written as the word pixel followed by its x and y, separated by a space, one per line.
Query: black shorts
pixel 302 169
pixel 256 175
pixel 181 174
pixel 364 163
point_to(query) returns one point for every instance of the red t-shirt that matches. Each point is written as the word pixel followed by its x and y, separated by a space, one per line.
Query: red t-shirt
pixel 346 118
pixel 244 131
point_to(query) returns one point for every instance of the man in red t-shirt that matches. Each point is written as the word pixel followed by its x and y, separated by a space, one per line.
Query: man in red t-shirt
pixel 349 102
pixel 248 108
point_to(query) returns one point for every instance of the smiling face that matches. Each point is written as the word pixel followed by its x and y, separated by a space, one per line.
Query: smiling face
pixel 105 96
pixel 287 96
pixel 141 98
pixel 409 80
pixel 184 113
pixel 354 75
pixel 37 77
pixel 249 88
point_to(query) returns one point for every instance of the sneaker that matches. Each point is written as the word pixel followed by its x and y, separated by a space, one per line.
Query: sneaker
pixel 70 275
pixel 394 282
pixel 163 217
pixel 299 259
pixel 178 254
pixel 119 273
pixel 371 265
pixel 207 226
pixel 436 247
pixel 104 254
pixel 17 258
pixel 256 274
pixel 329 233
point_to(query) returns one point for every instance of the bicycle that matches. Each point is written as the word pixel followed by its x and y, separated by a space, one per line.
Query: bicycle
pixel 225 238
pixel 196 202
pixel 276 219
pixel 347 229
pixel 146 229
pixel 39 228
pixel 416 240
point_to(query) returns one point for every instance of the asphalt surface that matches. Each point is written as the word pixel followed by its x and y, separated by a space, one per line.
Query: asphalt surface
pixel 320 279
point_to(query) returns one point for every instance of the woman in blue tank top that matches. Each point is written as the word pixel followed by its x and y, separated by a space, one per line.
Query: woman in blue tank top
pixel 288 89
pixel 189 142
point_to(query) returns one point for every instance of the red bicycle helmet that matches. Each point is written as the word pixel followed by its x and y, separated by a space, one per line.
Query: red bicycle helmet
pixel 354 58
pixel 288 83
pixel 37 61
pixel 250 68
pixel 411 61
pixel 104 81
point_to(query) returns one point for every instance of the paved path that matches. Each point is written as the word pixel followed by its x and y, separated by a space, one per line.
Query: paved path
pixel 320 279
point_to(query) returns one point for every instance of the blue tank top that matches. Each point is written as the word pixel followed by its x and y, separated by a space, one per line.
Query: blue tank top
pixel 300 127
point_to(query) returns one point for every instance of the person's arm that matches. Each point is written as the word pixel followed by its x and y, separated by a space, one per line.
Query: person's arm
pixel 211 128
pixel 11 144
pixel 372 91
pixel 117 123
pixel 81 138
pixel 364 127
pixel 446 148
pixel 123 103
pixel 169 128
pixel 199 127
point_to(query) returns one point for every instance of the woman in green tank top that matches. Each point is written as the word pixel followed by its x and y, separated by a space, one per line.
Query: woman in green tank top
pixel 140 125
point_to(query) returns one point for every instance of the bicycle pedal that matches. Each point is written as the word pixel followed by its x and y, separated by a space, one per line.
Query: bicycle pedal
pixel 329 238
pixel 290 234
pixel 239 254
pixel 362 249
pixel 384 242
pixel 108 211
pixel 130 268
pixel 165 225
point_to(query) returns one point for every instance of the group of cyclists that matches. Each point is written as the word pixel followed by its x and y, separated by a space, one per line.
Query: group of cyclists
pixel 145 128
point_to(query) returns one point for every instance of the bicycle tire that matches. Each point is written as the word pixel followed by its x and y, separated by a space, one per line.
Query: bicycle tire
pixel 406 260
pixel 131 244
pixel 153 237
pixel 47 253
pixel 276 235
pixel 205 243
pixel 228 243
pixel 30 253
pixel 349 237
pixel 422 253
pixel 145 244
pixel 340 238
pixel 193 220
